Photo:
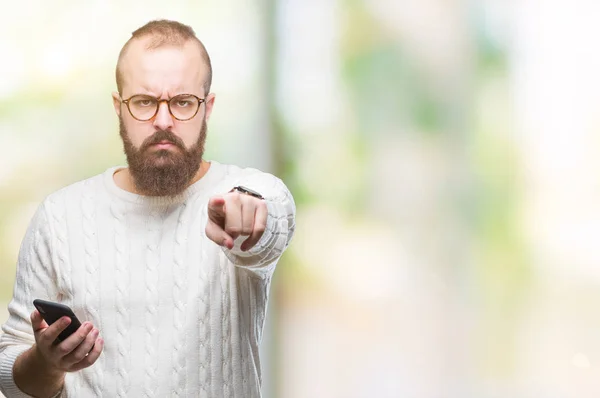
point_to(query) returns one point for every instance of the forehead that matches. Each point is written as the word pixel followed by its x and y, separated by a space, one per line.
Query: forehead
pixel 166 70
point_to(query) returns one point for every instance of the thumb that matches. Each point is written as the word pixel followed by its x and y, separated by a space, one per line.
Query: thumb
pixel 37 322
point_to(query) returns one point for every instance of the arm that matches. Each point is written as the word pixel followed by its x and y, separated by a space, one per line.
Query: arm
pixel 35 278
pixel 30 364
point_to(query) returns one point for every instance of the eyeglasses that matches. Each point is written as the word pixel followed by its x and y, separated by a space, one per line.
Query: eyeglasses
pixel 182 107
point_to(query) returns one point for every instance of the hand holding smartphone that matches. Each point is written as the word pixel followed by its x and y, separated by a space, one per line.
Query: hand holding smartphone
pixel 77 350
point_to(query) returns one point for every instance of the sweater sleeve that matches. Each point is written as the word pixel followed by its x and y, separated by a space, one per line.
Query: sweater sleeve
pixel 279 229
pixel 35 278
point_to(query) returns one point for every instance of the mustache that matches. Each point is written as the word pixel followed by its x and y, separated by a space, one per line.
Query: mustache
pixel 162 135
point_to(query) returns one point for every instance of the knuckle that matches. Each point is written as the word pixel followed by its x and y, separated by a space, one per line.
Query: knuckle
pixel 95 353
pixel 78 356
pixel 63 349
pixel 92 338
pixel 245 198
pixel 89 360
pixel 210 231
pixel 233 230
pixel 43 340
pixel 82 334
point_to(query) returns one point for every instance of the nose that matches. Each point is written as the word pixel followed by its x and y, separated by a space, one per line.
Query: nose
pixel 163 119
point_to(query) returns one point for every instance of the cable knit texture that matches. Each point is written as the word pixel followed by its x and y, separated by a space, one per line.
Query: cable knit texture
pixel 180 315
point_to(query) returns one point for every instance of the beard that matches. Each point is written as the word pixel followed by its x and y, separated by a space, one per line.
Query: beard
pixel 163 172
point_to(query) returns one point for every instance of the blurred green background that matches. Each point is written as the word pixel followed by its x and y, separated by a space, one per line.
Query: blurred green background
pixel 443 156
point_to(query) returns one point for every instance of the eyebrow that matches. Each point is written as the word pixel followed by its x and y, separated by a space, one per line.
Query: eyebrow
pixel 148 91
pixel 178 91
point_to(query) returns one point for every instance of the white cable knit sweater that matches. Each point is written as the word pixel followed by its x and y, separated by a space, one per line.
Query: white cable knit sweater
pixel 180 316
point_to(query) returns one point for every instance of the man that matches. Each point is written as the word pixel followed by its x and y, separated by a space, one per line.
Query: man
pixel 168 261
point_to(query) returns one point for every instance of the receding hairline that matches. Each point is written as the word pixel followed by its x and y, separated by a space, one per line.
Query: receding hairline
pixel 155 41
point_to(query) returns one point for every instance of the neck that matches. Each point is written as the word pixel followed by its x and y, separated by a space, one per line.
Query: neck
pixel 124 180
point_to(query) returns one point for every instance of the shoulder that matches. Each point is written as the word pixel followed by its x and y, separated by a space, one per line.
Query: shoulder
pixel 75 192
pixel 232 171
pixel 258 180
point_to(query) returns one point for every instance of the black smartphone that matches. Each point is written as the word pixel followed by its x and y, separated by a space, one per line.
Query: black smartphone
pixel 52 312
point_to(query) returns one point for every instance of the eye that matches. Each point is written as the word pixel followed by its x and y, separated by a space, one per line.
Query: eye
pixel 143 102
pixel 183 103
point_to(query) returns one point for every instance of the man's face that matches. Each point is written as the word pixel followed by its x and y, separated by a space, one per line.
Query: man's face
pixel 163 153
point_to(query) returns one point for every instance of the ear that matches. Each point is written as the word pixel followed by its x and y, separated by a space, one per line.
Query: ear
pixel 117 102
pixel 209 102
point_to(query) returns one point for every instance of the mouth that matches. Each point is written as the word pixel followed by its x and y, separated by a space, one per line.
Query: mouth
pixel 163 145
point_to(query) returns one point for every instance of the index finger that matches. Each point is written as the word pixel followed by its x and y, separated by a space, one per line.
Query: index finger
pixel 51 332
pixel 217 204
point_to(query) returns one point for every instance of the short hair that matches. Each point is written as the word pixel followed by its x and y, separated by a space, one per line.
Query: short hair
pixel 164 32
